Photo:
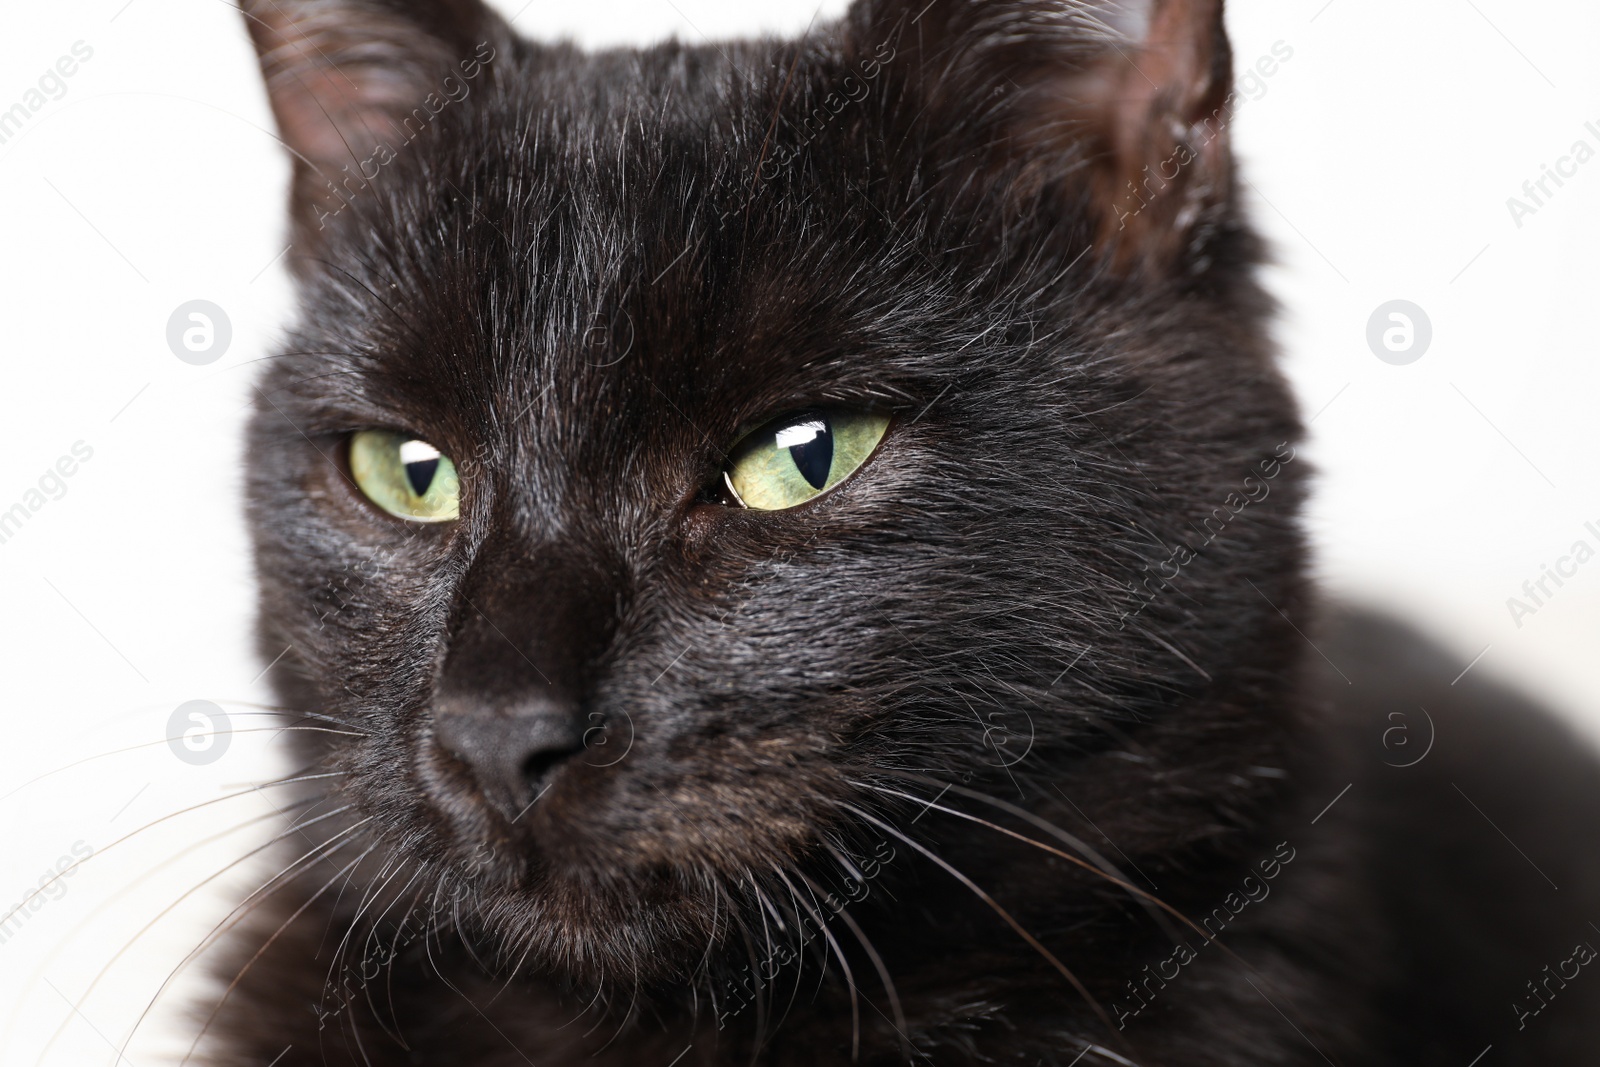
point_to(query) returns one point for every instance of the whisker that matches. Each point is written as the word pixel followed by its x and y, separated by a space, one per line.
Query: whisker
pixel 1111 877
pixel 439 973
pixel 224 925
pixel 83 997
pixel 797 937
pixel 997 909
pixel 1102 867
pixel 1149 898
pixel 281 711
pixel 226 993
pixel 877 960
pixel 75 864
pixel 389 966
pixel 757 983
pixel 369 896
pixel 163 741
pixel 849 977
pixel 763 1009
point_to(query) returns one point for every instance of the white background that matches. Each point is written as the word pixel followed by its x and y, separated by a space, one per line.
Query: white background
pixel 1380 158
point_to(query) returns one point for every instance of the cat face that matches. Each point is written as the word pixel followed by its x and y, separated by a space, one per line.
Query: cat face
pixel 674 443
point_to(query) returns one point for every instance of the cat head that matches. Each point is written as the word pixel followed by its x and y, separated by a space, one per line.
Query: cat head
pixel 679 447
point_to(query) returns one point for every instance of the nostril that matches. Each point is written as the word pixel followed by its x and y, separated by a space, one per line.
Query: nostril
pixel 511 754
pixel 537 766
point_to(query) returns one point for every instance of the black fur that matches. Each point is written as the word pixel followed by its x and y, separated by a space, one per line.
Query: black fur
pixel 955 756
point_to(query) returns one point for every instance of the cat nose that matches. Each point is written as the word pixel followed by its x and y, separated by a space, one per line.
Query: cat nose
pixel 512 752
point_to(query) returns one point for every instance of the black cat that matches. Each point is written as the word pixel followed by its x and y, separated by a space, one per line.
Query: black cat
pixel 788 554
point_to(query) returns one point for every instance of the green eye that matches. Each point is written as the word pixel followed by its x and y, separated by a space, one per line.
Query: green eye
pixel 793 459
pixel 405 476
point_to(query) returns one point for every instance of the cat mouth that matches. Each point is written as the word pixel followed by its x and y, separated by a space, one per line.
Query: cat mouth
pixel 597 873
pixel 597 810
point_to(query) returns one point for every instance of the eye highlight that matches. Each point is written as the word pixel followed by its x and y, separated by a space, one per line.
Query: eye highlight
pixel 798 457
pixel 405 476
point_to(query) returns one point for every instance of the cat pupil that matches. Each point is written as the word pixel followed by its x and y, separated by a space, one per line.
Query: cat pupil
pixel 810 445
pixel 421 461
pixel 420 475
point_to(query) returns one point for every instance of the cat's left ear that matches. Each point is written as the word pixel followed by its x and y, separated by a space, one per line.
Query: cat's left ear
pixel 353 81
pixel 1120 106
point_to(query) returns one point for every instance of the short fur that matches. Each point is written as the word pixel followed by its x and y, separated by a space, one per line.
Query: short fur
pixel 942 766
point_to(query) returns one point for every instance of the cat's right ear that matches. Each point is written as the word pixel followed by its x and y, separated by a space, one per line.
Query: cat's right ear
pixel 352 82
pixel 1115 112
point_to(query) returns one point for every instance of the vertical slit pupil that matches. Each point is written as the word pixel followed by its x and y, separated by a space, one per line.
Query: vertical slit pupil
pixel 421 463
pixel 420 475
pixel 811 450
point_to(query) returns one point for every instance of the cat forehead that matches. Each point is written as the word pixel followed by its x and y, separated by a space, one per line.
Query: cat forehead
pixel 722 227
pixel 580 227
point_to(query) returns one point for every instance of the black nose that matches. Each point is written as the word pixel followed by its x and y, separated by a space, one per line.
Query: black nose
pixel 511 751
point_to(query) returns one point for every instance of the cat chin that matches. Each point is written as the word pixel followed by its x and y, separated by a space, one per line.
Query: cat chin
pixel 653 930
pixel 597 890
